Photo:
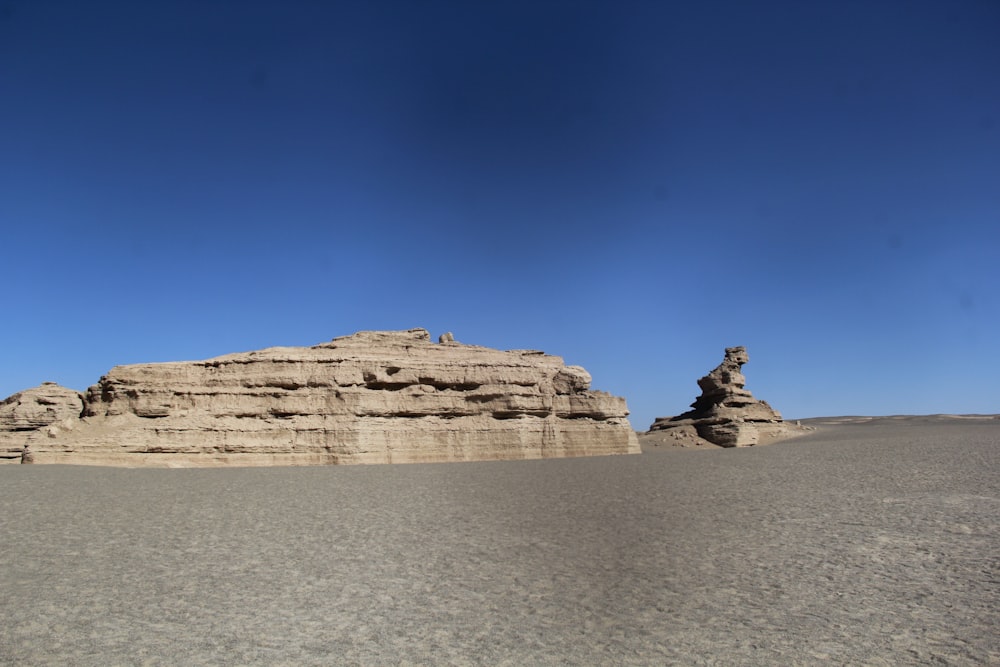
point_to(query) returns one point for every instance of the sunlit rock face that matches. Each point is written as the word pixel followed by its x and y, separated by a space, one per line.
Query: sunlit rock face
pixel 38 407
pixel 373 397
pixel 725 413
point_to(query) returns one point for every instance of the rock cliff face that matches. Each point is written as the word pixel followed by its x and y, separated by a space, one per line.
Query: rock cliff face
pixel 373 397
pixel 725 413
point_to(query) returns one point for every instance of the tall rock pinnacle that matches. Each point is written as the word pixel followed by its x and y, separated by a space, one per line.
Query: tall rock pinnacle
pixel 725 413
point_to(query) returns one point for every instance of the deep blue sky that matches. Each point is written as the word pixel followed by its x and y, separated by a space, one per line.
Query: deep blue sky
pixel 631 185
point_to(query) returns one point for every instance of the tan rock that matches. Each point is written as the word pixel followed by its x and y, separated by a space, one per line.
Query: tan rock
pixel 40 406
pixel 30 412
pixel 373 397
pixel 725 413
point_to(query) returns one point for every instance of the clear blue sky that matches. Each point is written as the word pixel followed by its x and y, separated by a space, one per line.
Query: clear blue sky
pixel 631 185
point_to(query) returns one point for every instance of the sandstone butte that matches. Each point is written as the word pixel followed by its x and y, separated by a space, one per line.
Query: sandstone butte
pixel 372 397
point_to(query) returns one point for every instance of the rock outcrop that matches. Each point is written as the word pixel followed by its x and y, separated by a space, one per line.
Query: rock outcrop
pixel 40 406
pixel 725 413
pixel 373 397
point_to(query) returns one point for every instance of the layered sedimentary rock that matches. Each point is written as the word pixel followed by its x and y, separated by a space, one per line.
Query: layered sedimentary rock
pixel 373 397
pixel 28 413
pixel 726 413
pixel 40 406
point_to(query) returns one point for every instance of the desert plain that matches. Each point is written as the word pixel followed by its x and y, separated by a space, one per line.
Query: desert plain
pixel 868 541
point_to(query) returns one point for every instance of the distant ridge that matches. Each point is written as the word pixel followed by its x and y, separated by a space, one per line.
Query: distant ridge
pixel 862 419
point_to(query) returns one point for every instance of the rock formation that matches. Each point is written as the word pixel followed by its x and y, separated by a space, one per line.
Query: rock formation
pixel 43 405
pixel 373 397
pixel 725 413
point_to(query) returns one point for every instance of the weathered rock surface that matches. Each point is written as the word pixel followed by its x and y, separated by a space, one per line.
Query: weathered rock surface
pixel 40 406
pixel 373 397
pixel 725 414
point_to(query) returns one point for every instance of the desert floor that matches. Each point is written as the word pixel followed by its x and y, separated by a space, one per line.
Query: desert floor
pixel 863 543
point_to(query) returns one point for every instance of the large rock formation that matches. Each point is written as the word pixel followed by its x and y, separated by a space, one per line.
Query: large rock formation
pixel 374 397
pixel 725 413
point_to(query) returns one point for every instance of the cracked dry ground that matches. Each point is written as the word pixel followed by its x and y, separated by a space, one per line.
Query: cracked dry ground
pixel 873 544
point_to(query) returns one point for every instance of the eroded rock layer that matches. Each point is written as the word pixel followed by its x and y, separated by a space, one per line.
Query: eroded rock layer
pixel 726 413
pixel 40 406
pixel 373 397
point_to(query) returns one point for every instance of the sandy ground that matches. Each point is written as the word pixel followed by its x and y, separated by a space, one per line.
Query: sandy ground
pixel 864 543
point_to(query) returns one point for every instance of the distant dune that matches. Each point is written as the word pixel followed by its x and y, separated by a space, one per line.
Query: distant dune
pixel 914 419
